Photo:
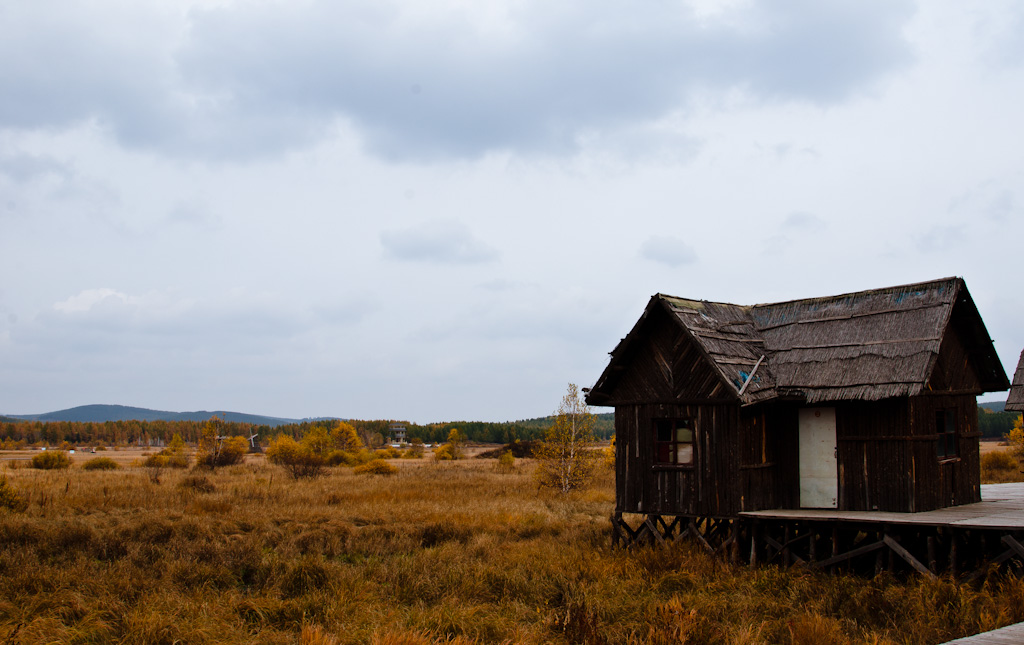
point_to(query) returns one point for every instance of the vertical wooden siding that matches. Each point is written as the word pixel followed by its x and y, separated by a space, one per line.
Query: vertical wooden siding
pixel 711 486
pixel 946 482
pixel 874 458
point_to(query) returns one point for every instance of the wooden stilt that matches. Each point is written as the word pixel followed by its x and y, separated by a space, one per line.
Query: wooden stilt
pixel 952 556
pixel 932 563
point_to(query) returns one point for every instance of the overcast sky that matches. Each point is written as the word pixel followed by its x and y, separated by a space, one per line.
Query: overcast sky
pixel 451 209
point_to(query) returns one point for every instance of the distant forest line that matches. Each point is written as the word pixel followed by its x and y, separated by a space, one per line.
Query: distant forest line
pixel 991 425
pixel 375 432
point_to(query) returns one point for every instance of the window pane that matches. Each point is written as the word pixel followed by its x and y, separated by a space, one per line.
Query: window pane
pixel 664 431
pixel 684 453
pixel 684 435
pixel 663 453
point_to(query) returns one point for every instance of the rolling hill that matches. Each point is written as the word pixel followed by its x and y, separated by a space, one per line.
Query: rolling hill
pixel 102 413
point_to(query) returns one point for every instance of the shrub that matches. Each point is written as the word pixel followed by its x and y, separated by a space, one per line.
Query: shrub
pixel 364 456
pixel 413 452
pixel 198 483
pixel 444 452
pixel 51 460
pixel 387 453
pixel 10 499
pixel 519 450
pixel 608 456
pixel 376 467
pixel 217 450
pixel 298 459
pixel 100 463
pixel 342 458
pixel 507 462
pixel 175 454
pixel 999 460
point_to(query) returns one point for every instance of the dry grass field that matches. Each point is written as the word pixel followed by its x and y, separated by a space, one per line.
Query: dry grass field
pixel 454 552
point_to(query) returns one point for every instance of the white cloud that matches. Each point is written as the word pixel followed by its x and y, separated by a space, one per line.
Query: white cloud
pixel 88 299
pixel 668 250
pixel 443 242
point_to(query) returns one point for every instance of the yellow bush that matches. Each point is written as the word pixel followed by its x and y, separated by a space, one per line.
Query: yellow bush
pixel 10 499
pixel 376 467
pixel 999 460
pixel 507 462
pixel 100 463
pixel 444 452
pixel 51 460
pixel 342 458
pixel 298 459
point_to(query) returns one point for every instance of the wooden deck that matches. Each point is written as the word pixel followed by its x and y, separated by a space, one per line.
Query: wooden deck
pixel 1012 635
pixel 1002 507
pixel 966 542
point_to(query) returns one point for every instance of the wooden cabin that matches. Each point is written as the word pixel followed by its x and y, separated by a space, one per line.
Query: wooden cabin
pixel 862 401
pixel 1015 400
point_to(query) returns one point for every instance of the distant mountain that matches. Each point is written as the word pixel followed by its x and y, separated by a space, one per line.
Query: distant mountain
pixel 993 406
pixel 102 413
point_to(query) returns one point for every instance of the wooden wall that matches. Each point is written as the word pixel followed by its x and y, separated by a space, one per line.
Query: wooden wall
pixel 875 465
pixel 709 487
pixel 946 482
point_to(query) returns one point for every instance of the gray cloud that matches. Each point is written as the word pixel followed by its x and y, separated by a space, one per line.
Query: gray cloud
pixel 803 222
pixel 939 239
pixel 444 242
pixel 668 250
pixel 250 79
pixel 25 167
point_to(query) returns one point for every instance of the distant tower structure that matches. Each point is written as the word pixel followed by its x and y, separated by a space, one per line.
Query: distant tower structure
pixel 397 432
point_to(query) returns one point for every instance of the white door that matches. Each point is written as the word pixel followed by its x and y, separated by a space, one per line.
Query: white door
pixel 819 473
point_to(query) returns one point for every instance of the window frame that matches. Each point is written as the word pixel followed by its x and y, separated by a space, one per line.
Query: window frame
pixel 666 442
pixel 947 435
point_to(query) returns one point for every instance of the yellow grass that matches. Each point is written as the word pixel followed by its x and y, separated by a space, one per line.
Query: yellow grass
pixel 456 552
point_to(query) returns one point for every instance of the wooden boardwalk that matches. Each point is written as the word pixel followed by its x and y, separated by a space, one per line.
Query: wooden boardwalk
pixel 1012 635
pixel 1001 507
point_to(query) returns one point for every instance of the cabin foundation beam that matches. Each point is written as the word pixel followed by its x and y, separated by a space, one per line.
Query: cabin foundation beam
pixel 867 548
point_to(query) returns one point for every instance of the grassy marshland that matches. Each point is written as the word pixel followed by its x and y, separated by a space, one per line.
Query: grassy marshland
pixel 439 552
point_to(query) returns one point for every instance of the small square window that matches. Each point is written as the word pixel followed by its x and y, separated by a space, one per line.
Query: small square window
pixel 673 442
pixel 945 429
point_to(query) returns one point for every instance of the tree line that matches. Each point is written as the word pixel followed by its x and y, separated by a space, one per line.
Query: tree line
pixel 372 432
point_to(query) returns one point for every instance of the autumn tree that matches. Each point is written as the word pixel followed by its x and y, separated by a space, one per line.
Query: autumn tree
pixel 453 448
pixel 345 437
pixel 1016 437
pixel 565 458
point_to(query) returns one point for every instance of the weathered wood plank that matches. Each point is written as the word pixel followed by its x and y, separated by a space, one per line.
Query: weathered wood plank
pixel 1010 635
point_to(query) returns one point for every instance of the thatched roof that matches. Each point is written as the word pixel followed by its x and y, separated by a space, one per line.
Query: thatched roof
pixel 1015 402
pixel 868 345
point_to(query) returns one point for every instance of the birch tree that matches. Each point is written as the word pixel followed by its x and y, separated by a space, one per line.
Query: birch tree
pixel 565 458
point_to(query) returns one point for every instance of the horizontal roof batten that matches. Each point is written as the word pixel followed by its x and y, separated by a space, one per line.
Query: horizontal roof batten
pixel 894 341
pixel 811 321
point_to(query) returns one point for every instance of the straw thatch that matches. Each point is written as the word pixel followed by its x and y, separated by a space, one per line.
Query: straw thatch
pixel 1015 401
pixel 869 345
